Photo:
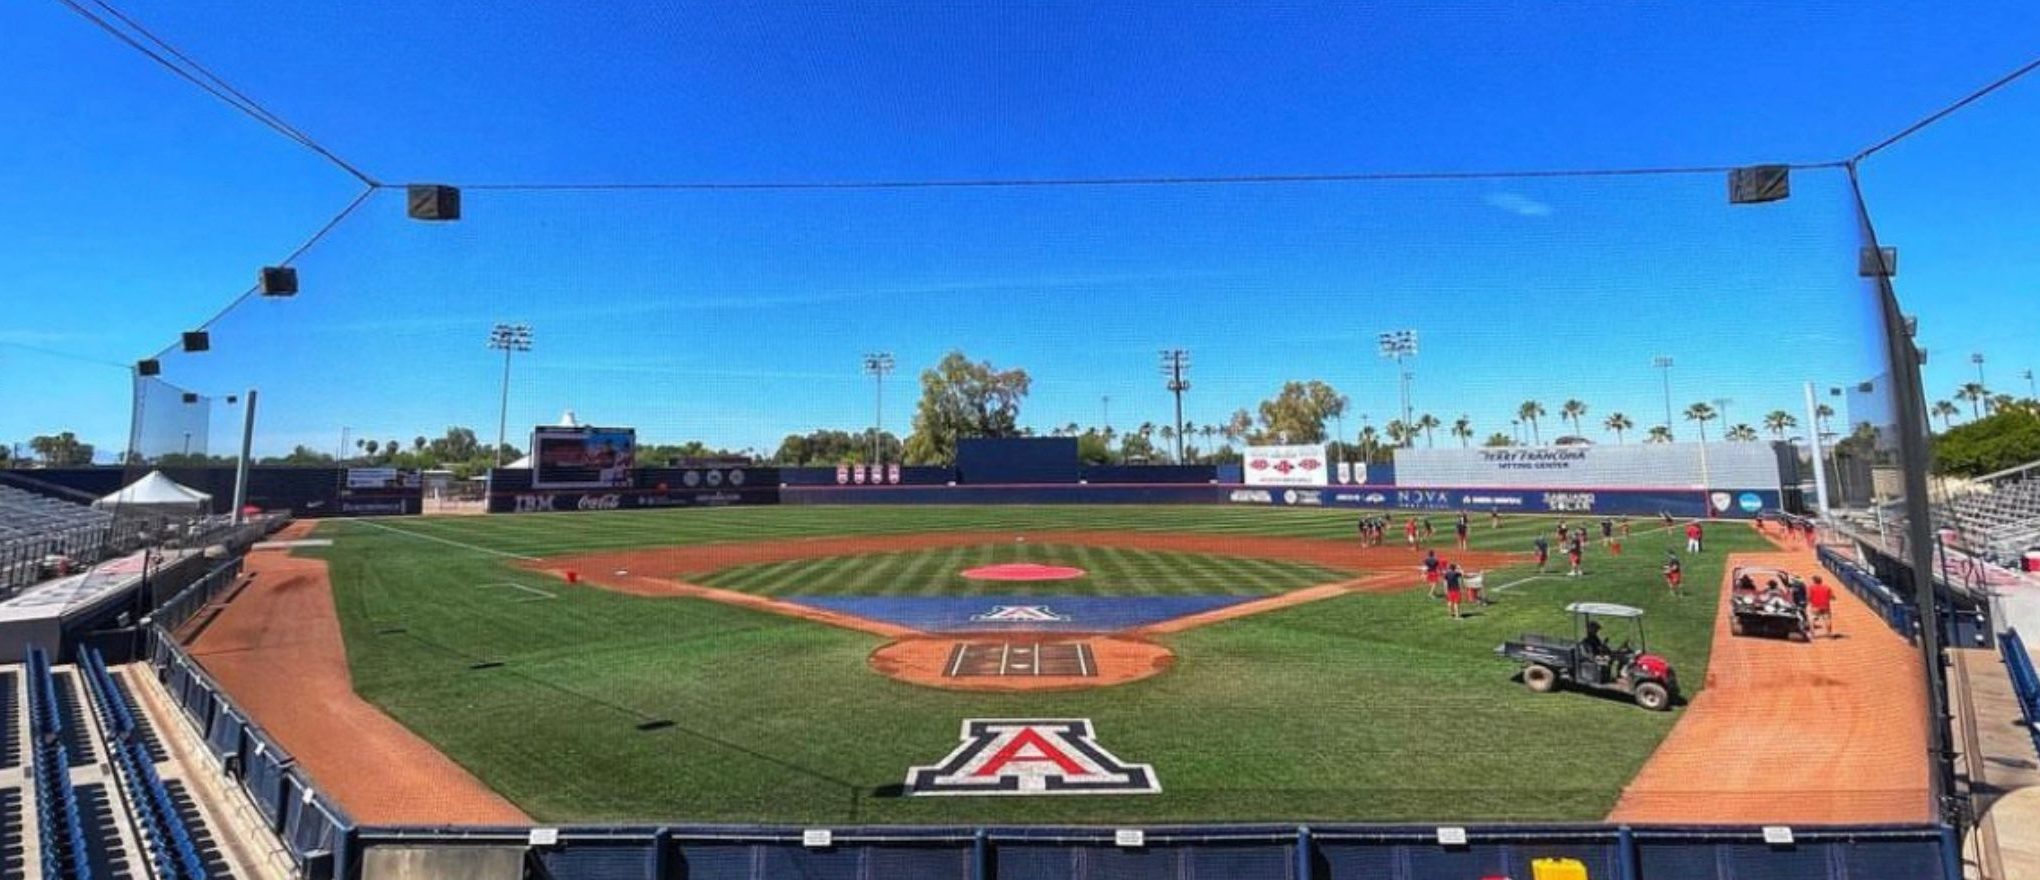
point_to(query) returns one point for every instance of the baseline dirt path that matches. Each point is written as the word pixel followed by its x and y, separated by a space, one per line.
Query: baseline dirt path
pixel 1832 731
pixel 921 658
pixel 277 649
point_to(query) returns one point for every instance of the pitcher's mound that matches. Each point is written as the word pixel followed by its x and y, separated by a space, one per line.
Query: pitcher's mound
pixel 1023 571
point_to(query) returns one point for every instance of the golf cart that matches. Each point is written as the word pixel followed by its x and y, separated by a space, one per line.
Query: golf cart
pixel 1756 610
pixel 1549 661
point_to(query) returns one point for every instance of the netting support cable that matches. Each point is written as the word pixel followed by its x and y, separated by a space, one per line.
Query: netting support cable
pixel 253 290
pixel 188 69
pixel 1946 112
pixel 1165 180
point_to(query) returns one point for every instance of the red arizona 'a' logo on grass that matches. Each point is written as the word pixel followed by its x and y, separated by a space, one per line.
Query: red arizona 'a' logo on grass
pixel 1031 756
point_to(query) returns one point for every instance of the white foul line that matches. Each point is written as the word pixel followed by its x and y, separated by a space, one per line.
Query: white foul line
pixel 447 541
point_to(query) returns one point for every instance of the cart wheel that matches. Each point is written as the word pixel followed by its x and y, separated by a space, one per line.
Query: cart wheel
pixel 1735 626
pixel 1653 696
pixel 1539 678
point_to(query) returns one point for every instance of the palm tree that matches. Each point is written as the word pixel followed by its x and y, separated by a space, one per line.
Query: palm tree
pixel 2000 402
pixel 1659 434
pixel 1368 438
pixel 1462 428
pixel 1427 423
pixel 418 444
pixel 1742 433
pixel 1976 394
pixel 1529 412
pixel 1168 435
pixel 1209 431
pixel 1946 412
pixel 1399 434
pixel 1778 422
pixel 1702 413
pixel 1499 439
pixel 1618 423
pixel 1573 410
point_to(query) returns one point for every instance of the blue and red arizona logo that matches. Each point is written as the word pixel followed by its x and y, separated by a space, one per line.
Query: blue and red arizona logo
pixel 1020 614
pixel 1031 756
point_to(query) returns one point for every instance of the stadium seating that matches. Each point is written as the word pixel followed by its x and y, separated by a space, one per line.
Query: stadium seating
pixel 34 528
pixel 1999 513
pixel 2025 681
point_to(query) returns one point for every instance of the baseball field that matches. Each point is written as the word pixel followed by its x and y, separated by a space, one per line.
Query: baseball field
pixel 729 665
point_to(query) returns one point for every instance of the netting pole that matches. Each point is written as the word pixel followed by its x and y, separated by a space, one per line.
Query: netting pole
pixel 1820 488
pixel 241 464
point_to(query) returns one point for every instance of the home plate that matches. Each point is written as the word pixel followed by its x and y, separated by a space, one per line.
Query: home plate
pixel 622 571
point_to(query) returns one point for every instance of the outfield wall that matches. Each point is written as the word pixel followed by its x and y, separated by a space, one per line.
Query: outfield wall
pixel 1685 504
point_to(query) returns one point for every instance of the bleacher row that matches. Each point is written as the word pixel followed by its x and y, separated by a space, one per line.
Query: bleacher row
pixel 1897 613
pixel 2025 681
pixel 83 806
pixel 2003 518
pixel 34 528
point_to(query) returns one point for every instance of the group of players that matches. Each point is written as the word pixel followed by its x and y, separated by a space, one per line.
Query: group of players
pixel 1446 579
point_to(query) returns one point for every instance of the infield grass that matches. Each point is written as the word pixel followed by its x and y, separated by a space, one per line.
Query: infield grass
pixel 1364 707
pixel 1109 571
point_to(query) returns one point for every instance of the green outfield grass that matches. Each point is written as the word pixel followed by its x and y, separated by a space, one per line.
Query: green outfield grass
pixel 1365 707
pixel 1109 571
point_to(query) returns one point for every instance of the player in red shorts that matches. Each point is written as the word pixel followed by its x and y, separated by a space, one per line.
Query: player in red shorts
pixel 1575 550
pixel 1409 530
pixel 1674 572
pixel 1452 590
pixel 1433 569
pixel 1821 599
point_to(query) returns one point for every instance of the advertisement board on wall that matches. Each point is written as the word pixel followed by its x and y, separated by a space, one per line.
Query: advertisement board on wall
pixel 1635 466
pixel 582 458
pixel 1285 466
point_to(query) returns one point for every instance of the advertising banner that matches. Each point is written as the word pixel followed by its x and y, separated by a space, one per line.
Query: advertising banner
pixel 582 458
pixel 1286 466
pixel 724 495
pixel 1635 466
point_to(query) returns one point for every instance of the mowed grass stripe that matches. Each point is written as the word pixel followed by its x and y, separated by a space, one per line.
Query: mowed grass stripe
pixel 1111 571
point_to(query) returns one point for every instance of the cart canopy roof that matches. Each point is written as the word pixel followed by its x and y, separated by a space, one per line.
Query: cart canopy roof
pixel 1760 573
pixel 1603 609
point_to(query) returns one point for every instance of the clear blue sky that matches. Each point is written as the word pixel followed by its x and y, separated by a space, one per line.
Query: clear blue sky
pixel 137 206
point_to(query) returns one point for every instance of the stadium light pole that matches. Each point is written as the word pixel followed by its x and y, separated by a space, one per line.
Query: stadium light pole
pixel 247 456
pixel 1176 362
pixel 2030 392
pixel 1400 346
pixel 1664 362
pixel 878 365
pixel 1721 404
pixel 509 339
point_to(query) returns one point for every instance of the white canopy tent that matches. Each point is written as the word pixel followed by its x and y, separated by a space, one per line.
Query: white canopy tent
pixel 156 492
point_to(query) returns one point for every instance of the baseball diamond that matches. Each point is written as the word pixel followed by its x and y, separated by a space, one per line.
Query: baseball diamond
pixel 799 688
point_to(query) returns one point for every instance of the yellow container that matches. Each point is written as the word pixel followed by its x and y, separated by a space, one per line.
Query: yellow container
pixel 1558 869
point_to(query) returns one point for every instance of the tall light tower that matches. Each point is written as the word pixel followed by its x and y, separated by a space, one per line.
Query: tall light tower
pixel 1664 363
pixel 1176 362
pixel 878 365
pixel 1400 346
pixel 508 339
pixel 1721 406
pixel 2030 391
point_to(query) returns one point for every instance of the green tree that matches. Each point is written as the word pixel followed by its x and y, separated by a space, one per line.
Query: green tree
pixel 1742 433
pixel 1092 448
pixel 1499 439
pixel 1572 411
pixel 1297 413
pixel 61 450
pixel 1462 428
pixel 1618 423
pixel 1778 421
pixel 1976 394
pixel 1427 423
pixel 1946 412
pixel 1701 413
pixel 2006 439
pixel 964 398
pixel 1659 434
pixel 1370 442
pixel 1530 411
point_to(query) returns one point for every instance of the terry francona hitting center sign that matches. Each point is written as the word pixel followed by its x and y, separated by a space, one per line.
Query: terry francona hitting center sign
pixel 1031 756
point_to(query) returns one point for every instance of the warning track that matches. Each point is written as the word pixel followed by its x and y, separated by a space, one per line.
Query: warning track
pixel 1829 732
pixel 277 649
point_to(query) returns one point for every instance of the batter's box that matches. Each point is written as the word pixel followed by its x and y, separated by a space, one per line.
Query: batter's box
pixel 528 594
pixel 1021 659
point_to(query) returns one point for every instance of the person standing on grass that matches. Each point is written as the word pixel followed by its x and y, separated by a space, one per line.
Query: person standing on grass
pixel 1693 536
pixel 1543 548
pixel 1453 580
pixel 1433 569
pixel 1623 525
pixel 1821 599
pixel 1409 530
pixel 1494 517
pixel 1575 551
pixel 1607 531
pixel 1675 573
pixel 1460 527
pixel 1430 531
